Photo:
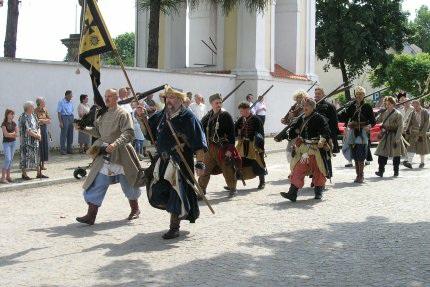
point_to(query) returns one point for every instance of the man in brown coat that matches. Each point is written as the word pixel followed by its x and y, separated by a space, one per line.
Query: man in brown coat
pixel 418 135
pixel 114 159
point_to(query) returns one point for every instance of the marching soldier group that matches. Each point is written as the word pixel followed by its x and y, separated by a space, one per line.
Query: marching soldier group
pixel 217 145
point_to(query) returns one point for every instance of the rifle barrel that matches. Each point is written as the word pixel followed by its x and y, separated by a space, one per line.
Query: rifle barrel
pixel 262 96
pixel 232 92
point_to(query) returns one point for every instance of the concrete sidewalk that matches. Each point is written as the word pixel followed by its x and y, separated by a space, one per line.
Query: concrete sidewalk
pixel 60 168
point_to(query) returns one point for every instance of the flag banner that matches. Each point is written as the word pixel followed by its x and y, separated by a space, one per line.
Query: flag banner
pixel 95 40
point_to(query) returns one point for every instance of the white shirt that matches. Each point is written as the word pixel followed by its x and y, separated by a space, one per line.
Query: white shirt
pixel 199 110
pixel 127 107
pixel 259 109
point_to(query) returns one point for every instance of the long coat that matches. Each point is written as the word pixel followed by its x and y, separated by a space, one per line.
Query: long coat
pixel 418 137
pixel 392 143
pixel 115 126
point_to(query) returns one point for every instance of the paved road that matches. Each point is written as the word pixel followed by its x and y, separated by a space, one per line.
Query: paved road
pixel 376 234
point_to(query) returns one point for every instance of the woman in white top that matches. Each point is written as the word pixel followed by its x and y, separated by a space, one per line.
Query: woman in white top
pixel 83 109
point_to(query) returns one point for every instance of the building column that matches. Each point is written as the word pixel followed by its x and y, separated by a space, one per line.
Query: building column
pixel 251 43
pixel 310 40
pixel 287 34
pixel 142 35
pixel 176 40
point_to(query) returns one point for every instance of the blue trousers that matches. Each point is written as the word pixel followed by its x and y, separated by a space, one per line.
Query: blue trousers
pixel 138 146
pixel 66 134
pixel 97 190
pixel 9 150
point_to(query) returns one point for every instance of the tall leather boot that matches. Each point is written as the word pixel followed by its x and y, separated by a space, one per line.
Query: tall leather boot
pixel 396 165
pixel 135 211
pixel 3 176
pixel 291 194
pixel 360 172
pixel 262 183
pixel 318 192
pixel 91 215
pixel 357 171
pixel 380 171
pixel 174 227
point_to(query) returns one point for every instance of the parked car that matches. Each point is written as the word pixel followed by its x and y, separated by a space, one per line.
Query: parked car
pixel 374 131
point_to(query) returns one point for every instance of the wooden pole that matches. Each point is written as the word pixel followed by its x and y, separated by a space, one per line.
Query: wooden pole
pixel 179 150
pixel 144 119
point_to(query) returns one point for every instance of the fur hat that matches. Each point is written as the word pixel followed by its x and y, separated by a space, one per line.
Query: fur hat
pixel 215 97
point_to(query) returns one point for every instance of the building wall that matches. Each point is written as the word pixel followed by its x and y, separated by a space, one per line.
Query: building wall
pixel 23 80
pixel 230 40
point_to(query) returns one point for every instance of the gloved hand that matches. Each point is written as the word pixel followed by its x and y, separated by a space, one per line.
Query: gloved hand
pixel 305 158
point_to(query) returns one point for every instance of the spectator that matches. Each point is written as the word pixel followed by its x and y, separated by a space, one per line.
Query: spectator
pixel 198 107
pixel 123 95
pixel 65 111
pixel 260 110
pixel 249 99
pixel 161 104
pixel 30 136
pixel 83 138
pixel 139 138
pixel 151 105
pixel 10 133
pixel 44 120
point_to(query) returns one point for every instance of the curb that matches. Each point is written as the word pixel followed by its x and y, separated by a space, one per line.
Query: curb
pixel 42 183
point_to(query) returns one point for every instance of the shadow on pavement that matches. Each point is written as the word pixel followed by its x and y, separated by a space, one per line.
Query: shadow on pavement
pixel 79 230
pixel 370 253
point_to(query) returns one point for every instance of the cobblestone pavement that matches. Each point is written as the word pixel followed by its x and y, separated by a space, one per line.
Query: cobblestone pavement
pixel 375 234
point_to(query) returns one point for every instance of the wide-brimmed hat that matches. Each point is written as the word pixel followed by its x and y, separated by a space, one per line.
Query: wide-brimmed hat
pixel 169 91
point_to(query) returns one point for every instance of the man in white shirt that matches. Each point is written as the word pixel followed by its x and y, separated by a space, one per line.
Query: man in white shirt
pixel 198 107
pixel 123 94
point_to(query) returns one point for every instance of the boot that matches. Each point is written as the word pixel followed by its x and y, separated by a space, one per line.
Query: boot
pixel 380 171
pixel 199 197
pixel 232 192
pixel 262 183
pixel 91 215
pixel 407 164
pixel 135 211
pixel 396 170
pixel 318 192
pixel 360 172
pixel 357 171
pixel 292 193
pixel 3 176
pixel 8 178
pixel 174 227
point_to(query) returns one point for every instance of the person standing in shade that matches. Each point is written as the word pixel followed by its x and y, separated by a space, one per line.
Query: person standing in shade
pixel 83 138
pixel 198 107
pixel 30 137
pixel 10 134
pixel 418 135
pixel 65 111
pixel 44 120
pixel 391 142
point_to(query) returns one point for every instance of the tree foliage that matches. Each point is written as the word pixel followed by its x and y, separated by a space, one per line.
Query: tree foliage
pixel 125 44
pixel 421 29
pixel 353 34
pixel 405 72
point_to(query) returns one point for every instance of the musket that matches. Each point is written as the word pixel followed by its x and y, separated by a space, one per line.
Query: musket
pixel 179 151
pixel 142 95
pixel 414 99
pixel 260 98
pixel 282 135
pixel 365 97
pixel 316 82
pixel 232 92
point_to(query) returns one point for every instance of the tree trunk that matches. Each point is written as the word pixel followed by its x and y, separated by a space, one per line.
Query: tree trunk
pixel 345 79
pixel 154 31
pixel 11 29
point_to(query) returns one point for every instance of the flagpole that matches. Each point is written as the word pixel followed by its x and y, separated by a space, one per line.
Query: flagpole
pixel 144 120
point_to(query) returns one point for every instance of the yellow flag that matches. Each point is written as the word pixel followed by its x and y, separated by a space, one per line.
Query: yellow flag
pixel 95 40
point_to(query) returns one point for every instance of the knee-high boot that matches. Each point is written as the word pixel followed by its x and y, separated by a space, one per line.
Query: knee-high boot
pixel 291 194
pixel 396 165
pixel 357 171
pixel 360 172
pixel 381 168
pixel 174 227
pixel 135 211
pixel 262 183
pixel 91 215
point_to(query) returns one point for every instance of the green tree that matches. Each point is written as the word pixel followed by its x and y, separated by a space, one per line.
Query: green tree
pixel 11 28
pixel 125 44
pixel 405 72
pixel 421 29
pixel 156 7
pixel 353 34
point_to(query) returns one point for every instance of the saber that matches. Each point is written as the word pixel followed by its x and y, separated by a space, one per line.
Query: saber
pixel 232 92
pixel 179 150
